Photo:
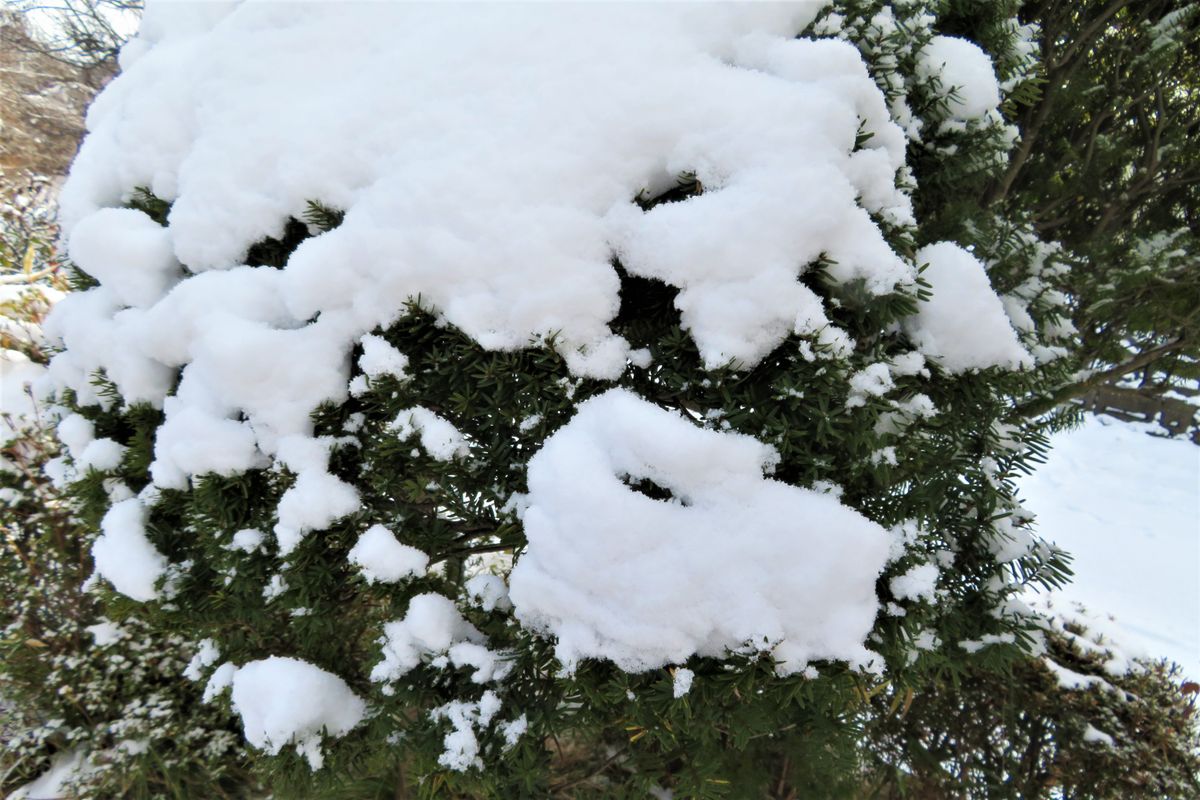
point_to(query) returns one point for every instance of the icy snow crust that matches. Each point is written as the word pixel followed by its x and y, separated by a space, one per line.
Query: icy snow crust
pixel 737 561
pixel 487 159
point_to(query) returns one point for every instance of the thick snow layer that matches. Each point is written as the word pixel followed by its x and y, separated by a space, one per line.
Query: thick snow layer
pixel 1126 505
pixel 963 326
pixel 734 560
pixel 286 701
pixel 487 159
pixel 124 556
pixel 966 75
pixel 128 252
pixel 380 557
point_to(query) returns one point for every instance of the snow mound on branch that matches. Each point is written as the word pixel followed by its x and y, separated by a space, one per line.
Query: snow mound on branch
pixel 487 160
pixel 963 326
pixel 124 556
pixel 964 69
pixel 286 701
pixel 380 557
pixel 433 630
pixel 733 560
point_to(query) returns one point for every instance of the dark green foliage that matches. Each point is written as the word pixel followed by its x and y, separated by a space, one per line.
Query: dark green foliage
pixel 1019 732
pixel 1108 165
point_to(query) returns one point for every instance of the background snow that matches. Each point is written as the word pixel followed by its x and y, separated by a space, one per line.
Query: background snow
pixel 1127 506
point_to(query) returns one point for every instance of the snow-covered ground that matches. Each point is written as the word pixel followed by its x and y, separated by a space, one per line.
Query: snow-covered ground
pixel 1127 506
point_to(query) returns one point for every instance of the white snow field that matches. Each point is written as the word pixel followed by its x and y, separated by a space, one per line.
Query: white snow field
pixel 1127 506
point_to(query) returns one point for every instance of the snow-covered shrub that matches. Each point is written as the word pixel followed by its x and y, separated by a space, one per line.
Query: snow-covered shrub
pixel 98 698
pixel 523 399
pixel 1081 720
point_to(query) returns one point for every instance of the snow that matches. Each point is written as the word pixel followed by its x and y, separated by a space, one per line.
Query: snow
pixel 17 375
pixel 488 592
pixel 1125 504
pixel 317 499
pixel 734 561
pixel 101 455
pixel 513 730
pixel 438 436
pixel 53 784
pixel 918 583
pixel 286 701
pixel 681 682
pixel 502 212
pixel 380 358
pixel 105 632
pixel 1094 734
pixel 966 75
pixel 248 540
pixel 219 681
pixel 874 380
pixel 433 628
pixel 124 556
pixel 128 252
pixel 205 657
pixel 461 745
pixel 963 326
pixel 380 557
pixel 76 432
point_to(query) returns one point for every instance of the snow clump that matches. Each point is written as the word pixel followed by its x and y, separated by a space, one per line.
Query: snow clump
pixel 381 558
pixel 963 326
pixel 434 631
pixel 124 556
pixel 286 701
pixel 966 75
pixel 733 561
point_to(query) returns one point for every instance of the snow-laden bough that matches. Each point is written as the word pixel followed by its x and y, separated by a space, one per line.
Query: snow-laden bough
pixel 733 561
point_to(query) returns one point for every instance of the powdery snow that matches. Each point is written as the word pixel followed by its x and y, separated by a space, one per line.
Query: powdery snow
pixel 286 701
pixel 124 556
pixel 434 629
pixel 380 557
pixel 502 211
pixel 963 326
pixel 438 436
pixel 380 358
pixel 681 682
pixel 1125 504
pixel 735 560
pixel 966 75
pixel 919 583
